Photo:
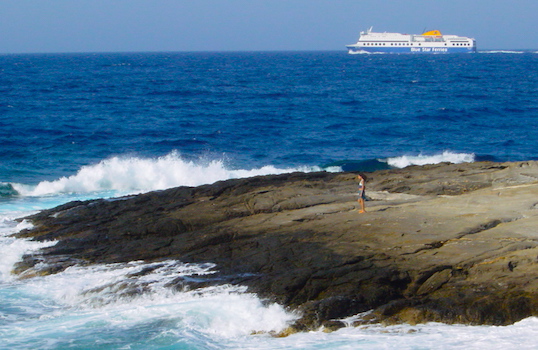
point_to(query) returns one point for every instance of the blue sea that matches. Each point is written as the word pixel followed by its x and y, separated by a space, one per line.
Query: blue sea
pixel 100 125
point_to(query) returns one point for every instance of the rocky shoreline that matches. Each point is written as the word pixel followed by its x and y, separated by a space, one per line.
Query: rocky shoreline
pixel 453 243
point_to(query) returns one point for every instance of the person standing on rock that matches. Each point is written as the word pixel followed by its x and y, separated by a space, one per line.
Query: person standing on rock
pixel 362 196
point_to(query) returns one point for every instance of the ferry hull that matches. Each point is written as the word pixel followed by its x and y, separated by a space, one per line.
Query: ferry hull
pixel 410 50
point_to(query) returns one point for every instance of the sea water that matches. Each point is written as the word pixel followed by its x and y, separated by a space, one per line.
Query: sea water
pixel 82 126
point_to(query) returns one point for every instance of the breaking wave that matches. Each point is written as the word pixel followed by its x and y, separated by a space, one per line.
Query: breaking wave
pixel 370 165
pixel 450 157
pixel 129 175
pixel 135 175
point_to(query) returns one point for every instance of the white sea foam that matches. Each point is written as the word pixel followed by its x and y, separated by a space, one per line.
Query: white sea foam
pixel 130 175
pixel 425 336
pixel 135 175
pixel 404 161
pixel 501 51
pixel 127 295
pixel 12 249
pixel 363 52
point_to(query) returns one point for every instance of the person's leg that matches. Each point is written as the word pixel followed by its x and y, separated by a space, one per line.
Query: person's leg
pixel 361 202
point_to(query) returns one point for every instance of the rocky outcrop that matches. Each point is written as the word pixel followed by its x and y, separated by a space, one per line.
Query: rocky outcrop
pixel 447 243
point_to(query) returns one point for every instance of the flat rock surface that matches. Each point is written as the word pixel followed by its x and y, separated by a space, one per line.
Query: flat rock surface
pixel 455 243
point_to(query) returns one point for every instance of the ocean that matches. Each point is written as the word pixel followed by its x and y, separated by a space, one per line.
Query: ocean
pixel 100 125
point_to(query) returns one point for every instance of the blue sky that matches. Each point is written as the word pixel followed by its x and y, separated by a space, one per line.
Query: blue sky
pixel 244 25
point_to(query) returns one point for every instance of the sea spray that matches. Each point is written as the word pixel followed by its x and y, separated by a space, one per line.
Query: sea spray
pixel 118 176
pixel 12 249
pixel 446 156
pixel 134 175
pixel 139 299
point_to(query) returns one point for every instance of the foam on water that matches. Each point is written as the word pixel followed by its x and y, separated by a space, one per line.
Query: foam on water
pixel 451 157
pixel 130 304
pixel 133 174
pixel 128 175
pixel 426 336
pixel 501 51
pixel 12 249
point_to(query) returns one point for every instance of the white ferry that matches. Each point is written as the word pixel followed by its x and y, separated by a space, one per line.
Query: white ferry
pixel 429 42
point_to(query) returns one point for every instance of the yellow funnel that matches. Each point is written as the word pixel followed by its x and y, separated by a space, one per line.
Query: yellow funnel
pixel 433 33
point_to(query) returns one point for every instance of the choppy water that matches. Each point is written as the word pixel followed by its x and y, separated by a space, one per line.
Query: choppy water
pixel 78 126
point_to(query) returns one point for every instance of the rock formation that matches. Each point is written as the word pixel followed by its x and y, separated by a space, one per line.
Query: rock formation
pixel 454 243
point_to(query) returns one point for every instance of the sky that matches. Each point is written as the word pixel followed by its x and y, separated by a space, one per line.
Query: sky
pixel 51 26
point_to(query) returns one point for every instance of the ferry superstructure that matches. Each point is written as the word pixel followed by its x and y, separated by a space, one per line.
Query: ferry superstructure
pixel 429 42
